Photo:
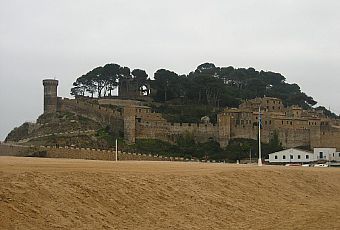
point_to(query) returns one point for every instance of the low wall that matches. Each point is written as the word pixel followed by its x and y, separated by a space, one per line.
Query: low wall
pixel 77 153
pixel 14 150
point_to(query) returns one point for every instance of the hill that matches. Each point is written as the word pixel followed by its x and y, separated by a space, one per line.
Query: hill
pixel 77 194
pixel 183 103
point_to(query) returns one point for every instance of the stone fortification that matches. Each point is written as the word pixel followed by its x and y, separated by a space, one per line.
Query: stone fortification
pixel 76 153
pixel 294 126
pixel 103 115
pixel 50 95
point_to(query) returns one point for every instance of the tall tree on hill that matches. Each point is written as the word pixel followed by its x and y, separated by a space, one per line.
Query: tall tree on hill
pixel 100 80
pixel 167 85
pixel 141 78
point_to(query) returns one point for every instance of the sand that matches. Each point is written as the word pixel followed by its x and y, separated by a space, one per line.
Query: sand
pixel 81 194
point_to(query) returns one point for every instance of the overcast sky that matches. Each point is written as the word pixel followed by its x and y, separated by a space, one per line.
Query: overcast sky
pixel 64 39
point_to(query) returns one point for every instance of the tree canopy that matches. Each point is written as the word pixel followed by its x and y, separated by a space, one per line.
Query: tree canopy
pixel 100 81
pixel 207 85
pixel 226 86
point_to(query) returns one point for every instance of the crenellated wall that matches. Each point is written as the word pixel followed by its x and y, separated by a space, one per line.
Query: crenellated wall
pixel 75 153
pixel 95 112
pixel 294 126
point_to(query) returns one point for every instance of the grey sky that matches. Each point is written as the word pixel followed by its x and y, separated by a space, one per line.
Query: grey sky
pixel 65 39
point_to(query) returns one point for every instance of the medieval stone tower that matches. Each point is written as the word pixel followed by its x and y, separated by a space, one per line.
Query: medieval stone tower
pixel 50 95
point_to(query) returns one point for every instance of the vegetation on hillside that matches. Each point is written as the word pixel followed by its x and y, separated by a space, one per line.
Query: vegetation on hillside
pixel 187 147
pixel 52 123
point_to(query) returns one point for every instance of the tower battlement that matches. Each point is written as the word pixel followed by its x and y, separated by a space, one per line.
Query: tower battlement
pixel 50 95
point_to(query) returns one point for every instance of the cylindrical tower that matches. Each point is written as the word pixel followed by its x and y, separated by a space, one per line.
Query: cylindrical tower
pixel 50 95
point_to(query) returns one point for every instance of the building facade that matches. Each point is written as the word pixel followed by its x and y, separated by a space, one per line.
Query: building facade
pixel 291 156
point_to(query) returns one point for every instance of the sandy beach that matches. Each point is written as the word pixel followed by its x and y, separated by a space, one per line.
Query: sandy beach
pixel 38 193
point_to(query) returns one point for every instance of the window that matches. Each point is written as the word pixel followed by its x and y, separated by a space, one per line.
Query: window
pixel 339 154
pixel 320 155
pixel 291 157
pixel 299 157
pixel 283 157
pixel 275 157
pixel 307 156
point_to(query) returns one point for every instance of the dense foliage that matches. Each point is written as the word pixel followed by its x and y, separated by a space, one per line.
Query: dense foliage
pixel 185 146
pixel 101 81
pixel 226 86
pixel 207 85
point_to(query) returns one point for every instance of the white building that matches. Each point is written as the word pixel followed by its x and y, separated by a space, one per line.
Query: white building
pixel 291 156
pixel 326 154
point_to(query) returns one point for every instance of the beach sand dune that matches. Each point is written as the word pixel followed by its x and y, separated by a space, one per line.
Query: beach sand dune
pixel 38 193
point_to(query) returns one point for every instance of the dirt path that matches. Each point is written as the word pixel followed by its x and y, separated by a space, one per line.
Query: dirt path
pixel 79 194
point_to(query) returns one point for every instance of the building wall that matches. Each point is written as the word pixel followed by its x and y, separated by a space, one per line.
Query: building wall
pixel 295 153
pixel 328 154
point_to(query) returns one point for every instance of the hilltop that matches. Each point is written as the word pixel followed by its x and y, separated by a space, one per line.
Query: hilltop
pixel 211 113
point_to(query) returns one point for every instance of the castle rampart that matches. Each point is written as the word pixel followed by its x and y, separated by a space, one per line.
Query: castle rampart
pixel 294 126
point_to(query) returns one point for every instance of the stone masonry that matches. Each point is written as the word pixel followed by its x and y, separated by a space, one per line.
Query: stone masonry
pixel 295 127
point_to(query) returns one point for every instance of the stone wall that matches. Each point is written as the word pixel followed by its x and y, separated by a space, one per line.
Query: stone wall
pixel 118 102
pixel 330 137
pixel 76 153
pixel 14 150
pixel 95 112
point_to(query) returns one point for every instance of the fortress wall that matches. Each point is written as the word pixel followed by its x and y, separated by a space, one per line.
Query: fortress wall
pixel 74 153
pixel 151 116
pixel 315 136
pixel 224 130
pixel 153 130
pixel 243 131
pixel 13 150
pixel 330 138
pixel 94 112
pixel 118 102
pixel 170 131
pixel 291 138
pixel 130 124
pixel 85 107
pixel 201 132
